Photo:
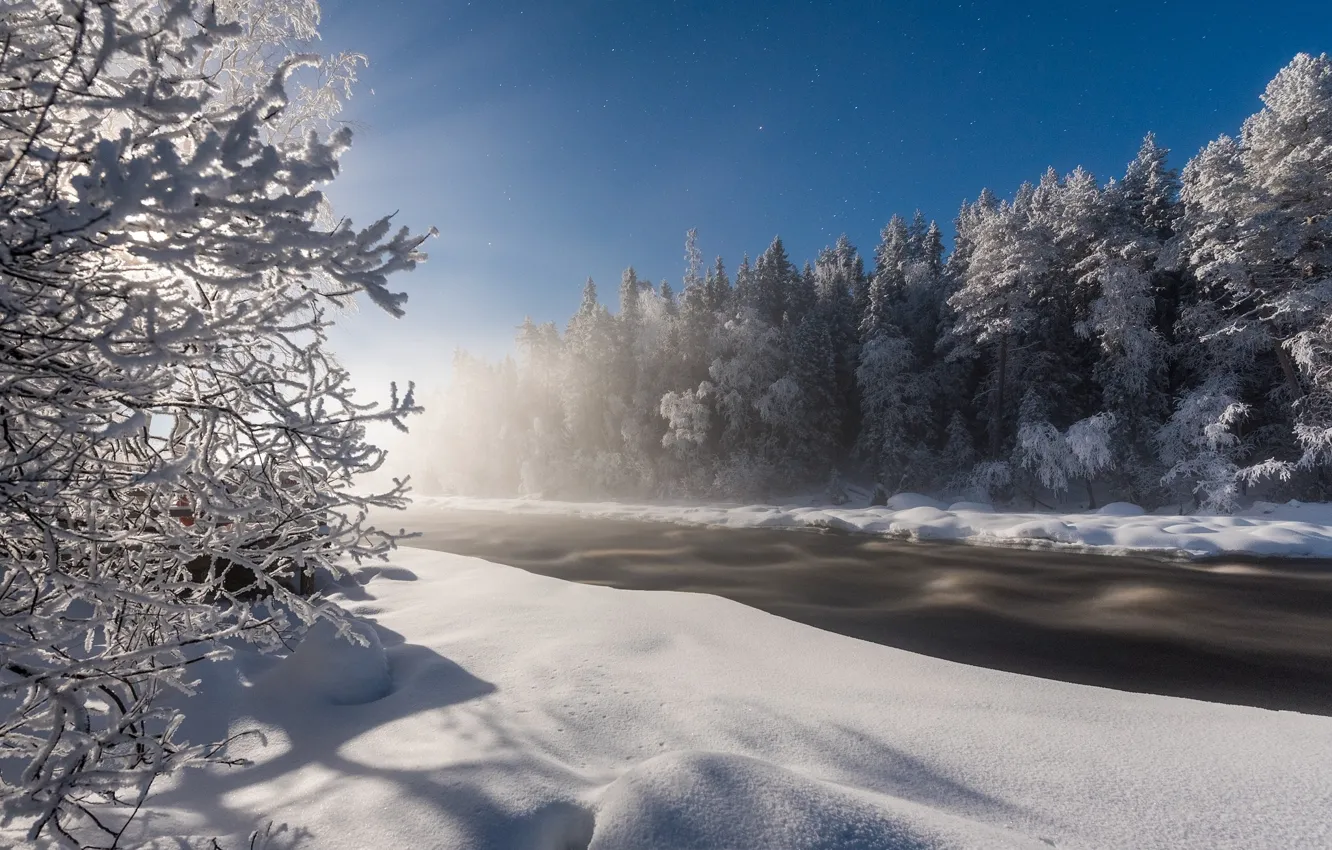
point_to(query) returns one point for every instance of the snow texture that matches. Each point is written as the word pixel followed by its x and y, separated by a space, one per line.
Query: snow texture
pixel 1291 530
pixel 527 713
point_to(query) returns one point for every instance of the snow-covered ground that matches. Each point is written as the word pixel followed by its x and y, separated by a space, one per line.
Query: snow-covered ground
pixel 1290 530
pixel 499 709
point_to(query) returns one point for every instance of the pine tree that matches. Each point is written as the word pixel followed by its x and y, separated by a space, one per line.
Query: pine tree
pixel 1257 236
pixel 631 291
pixel 894 407
pixel 774 279
pixel 1133 294
pixel 693 276
pixel 958 455
pixel 749 364
pixel 1150 190
pixel 923 296
pixel 887 288
pixel 539 410
pixel 801 297
pixel 590 344
pixel 917 233
pixel 698 315
pixel 811 422
pixel 667 296
pixel 996 305
pixel 745 295
pixel 839 273
pixel 1285 240
pixel 718 287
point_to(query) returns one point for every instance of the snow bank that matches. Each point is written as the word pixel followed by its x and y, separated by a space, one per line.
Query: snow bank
pixel 1121 509
pixel 907 501
pixel 526 713
pixel 1292 530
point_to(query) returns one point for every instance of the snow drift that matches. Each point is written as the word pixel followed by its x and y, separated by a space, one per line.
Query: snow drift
pixel 526 713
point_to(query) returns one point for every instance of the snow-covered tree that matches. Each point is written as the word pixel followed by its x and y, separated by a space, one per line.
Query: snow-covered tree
pixel 1202 447
pixel 1191 312
pixel 161 256
pixel 1286 241
pixel 888 284
pixel 774 277
pixel 1058 458
pixel 996 306
pixel 958 455
pixel 1258 233
pixel 1130 223
pixel 717 287
pixel 810 420
pixel 753 397
pixel 894 407
pixel 688 420
pixel 839 274
pixel 538 404
pixel 589 349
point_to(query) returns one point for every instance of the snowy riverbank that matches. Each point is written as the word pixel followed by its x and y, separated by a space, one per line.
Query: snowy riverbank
pixel 1291 530
pixel 499 709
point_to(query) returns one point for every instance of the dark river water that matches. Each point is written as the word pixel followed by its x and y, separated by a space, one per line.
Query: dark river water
pixel 1248 632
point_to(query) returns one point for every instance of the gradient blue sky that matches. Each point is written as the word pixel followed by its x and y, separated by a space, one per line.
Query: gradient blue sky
pixel 550 141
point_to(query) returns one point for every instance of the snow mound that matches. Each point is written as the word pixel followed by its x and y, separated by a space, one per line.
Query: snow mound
pixel 928 523
pixel 1051 529
pixel 331 668
pixel 907 501
pixel 974 507
pixel 706 800
pixel 823 519
pixel 1121 509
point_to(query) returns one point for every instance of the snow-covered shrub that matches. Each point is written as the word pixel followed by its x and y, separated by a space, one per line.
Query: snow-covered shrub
pixel 1089 443
pixel 990 481
pixel 161 255
pixel 1203 450
pixel 1057 457
pixel 688 419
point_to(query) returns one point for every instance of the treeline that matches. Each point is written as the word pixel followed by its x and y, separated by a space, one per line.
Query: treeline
pixel 1160 338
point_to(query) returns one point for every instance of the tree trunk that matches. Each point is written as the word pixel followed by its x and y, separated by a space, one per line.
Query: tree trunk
pixel 1288 369
pixel 997 406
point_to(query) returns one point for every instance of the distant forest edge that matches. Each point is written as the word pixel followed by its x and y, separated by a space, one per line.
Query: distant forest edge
pixel 1164 338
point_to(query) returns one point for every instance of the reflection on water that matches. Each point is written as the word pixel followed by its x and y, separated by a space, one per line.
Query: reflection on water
pixel 1249 632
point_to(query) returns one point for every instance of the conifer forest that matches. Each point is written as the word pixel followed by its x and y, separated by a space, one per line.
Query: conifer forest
pixel 1162 337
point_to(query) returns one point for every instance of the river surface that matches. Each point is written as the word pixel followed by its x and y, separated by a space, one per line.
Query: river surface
pixel 1247 632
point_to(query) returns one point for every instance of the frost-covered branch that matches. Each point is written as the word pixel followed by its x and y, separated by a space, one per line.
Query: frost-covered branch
pixel 163 259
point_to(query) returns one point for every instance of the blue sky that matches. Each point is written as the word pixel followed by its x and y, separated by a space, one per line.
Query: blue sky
pixel 550 141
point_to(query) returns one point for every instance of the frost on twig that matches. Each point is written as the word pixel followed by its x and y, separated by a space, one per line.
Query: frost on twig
pixel 162 260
